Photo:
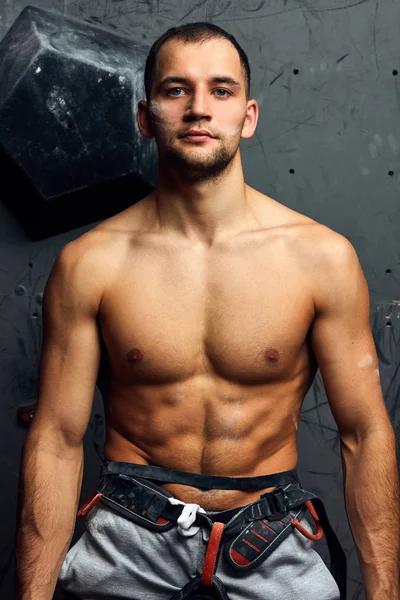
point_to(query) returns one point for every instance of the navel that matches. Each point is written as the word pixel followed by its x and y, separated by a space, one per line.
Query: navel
pixel 271 355
pixel 134 356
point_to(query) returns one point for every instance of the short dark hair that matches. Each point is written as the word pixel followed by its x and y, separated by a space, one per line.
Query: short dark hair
pixel 200 31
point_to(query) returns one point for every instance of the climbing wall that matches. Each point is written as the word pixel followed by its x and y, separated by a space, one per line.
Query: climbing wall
pixel 326 76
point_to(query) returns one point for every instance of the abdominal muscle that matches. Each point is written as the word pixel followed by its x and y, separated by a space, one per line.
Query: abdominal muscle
pixel 221 436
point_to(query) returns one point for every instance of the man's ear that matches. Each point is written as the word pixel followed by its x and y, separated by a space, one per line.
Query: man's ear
pixel 251 120
pixel 143 119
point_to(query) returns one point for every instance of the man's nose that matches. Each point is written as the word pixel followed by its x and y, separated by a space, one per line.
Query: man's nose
pixel 199 106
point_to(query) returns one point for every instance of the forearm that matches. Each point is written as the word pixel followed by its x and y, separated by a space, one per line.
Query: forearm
pixel 372 500
pixel 50 483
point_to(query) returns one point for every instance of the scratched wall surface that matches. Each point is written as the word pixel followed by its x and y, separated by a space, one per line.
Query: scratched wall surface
pixel 325 73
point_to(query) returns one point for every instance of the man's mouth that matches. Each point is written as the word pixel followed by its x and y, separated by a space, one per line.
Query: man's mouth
pixel 199 132
pixel 197 135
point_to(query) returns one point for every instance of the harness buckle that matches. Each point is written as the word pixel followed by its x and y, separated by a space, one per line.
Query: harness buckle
pixel 279 504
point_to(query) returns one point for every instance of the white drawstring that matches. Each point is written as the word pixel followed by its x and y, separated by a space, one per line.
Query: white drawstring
pixel 187 517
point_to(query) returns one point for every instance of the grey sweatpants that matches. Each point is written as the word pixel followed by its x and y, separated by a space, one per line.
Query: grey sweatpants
pixel 117 559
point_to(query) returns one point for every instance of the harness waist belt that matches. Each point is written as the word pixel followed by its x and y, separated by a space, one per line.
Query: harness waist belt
pixel 205 482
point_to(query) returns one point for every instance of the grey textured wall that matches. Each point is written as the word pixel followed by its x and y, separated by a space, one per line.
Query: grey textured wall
pixel 327 145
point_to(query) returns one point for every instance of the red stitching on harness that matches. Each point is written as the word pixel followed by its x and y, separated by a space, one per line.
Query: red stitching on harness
pixel 212 554
pixel 268 527
pixel 250 544
pixel 259 535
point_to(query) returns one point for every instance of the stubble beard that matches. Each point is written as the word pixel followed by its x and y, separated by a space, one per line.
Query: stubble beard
pixel 191 167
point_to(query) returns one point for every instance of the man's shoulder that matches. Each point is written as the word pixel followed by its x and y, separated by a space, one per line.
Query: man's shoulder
pixel 88 251
pixel 310 236
pixel 105 244
pixel 314 236
pixel 313 243
pixel 327 259
pixel 325 253
pixel 90 260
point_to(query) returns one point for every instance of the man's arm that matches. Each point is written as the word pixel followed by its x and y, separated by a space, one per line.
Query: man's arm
pixel 343 344
pixel 52 459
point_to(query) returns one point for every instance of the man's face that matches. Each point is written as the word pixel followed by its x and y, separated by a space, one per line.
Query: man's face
pixel 198 87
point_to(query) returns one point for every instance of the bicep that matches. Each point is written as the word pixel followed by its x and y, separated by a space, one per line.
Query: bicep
pixel 342 341
pixel 70 351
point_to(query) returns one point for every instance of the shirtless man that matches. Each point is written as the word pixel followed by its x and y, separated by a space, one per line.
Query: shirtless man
pixel 216 304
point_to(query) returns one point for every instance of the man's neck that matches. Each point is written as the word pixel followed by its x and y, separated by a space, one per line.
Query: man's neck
pixel 204 212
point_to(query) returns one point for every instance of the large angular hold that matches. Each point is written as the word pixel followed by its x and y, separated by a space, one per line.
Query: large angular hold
pixel 70 149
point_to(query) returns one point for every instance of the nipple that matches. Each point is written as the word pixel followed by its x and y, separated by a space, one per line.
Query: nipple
pixel 272 355
pixel 135 355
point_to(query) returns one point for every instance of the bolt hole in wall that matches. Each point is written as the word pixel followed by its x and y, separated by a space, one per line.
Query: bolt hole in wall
pixel 391 173
pixel 395 72
pixel 388 324
pixel 296 71
pixel 388 270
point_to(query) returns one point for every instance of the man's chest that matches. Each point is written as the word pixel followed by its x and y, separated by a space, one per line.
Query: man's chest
pixel 242 316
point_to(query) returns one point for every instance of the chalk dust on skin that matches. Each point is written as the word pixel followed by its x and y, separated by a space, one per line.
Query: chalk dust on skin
pixel 155 108
pixel 157 113
pixel 233 130
pixel 366 361
pixel 295 421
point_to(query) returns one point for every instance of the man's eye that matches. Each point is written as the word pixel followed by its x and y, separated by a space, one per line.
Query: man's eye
pixel 171 90
pixel 226 93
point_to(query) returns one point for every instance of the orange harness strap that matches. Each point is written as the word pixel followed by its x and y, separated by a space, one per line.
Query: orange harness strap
pixel 212 554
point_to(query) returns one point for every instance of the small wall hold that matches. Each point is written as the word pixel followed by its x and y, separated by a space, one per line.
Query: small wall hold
pixel 20 290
